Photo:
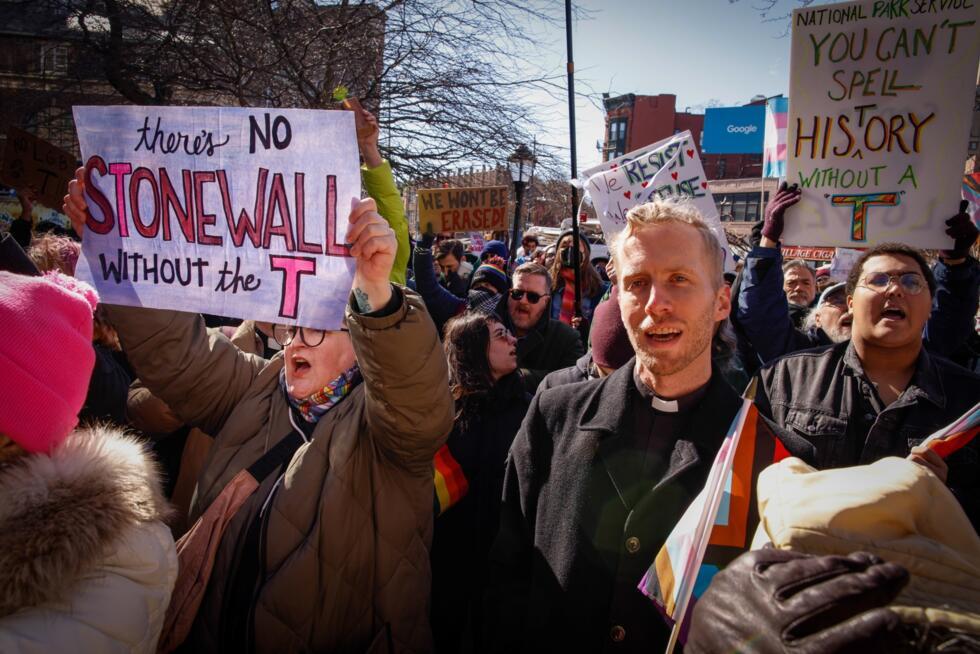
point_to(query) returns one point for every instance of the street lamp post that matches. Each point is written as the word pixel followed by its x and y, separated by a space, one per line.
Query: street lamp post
pixel 521 165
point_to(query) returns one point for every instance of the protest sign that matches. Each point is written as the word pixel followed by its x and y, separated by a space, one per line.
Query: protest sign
pixel 463 209
pixel 881 98
pixel 667 168
pixel 476 242
pixel 843 261
pixel 31 162
pixel 229 211
pixel 810 254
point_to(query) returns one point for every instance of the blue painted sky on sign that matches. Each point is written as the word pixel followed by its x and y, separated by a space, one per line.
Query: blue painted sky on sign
pixel 706 52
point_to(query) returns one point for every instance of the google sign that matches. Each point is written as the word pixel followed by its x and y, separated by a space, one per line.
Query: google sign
pixel 733 130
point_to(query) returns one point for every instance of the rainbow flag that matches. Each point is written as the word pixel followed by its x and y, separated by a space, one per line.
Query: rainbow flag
pixel 719 525
pixel 774 151
pixel 450 482
pixel 971 193
pixel 955 435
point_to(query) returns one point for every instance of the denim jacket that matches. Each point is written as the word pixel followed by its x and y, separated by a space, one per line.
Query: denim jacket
pixel 824 396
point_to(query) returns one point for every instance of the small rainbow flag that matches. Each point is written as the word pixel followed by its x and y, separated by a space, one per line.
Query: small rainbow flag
pixel 719 525
pixel 957 434
pixel 450 482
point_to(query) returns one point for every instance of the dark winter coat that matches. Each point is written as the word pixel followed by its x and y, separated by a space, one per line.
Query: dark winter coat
pixel 581 371
pixel 464 532
pixel 565 566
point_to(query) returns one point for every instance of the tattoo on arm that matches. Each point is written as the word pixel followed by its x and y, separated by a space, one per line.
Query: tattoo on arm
pixel 363 302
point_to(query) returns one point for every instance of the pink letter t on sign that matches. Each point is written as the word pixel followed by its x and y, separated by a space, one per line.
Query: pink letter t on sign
pixel 292 268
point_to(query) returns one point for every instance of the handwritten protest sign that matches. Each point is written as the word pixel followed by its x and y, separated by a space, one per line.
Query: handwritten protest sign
pixel 810 254
pixel 881 95
pixel 236 212
pixel 31 162
pixel 463 209
pixel 667 168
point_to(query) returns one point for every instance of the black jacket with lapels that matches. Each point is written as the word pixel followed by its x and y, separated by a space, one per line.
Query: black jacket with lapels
pixel 565 566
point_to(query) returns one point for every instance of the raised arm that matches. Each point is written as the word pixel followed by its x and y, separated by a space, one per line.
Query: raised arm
pixel 409 409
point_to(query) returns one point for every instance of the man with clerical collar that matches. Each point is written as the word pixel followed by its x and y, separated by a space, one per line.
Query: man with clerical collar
pixel 880 393
pixel 602 470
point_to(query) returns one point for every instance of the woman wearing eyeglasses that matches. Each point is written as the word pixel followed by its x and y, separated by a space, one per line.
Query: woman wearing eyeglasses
pixel 469 473
pixel 330 552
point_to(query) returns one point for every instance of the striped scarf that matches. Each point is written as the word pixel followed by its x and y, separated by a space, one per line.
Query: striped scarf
pixel 316 405
pixel 567 296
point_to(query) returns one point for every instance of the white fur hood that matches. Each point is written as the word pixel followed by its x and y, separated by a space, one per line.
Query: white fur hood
pixel 61 513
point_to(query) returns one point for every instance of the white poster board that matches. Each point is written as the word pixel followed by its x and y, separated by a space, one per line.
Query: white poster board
pixel 667 168
pixel 842 263
pixel 229 211
pixel 881 99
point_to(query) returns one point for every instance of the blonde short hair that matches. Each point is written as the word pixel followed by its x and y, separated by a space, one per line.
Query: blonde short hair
pixel 667 211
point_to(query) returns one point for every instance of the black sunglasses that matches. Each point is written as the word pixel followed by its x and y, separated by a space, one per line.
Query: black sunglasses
pixel 532 297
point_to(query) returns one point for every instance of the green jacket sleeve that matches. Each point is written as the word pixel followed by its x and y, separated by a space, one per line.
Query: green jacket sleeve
pixel 379 183
pixel 409 409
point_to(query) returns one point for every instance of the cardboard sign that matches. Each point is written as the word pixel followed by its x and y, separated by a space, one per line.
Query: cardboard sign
pixel 31 162
pixel 881 99
pixel 667 168
pixel 463 209
pixel 810 254
pixel 230 211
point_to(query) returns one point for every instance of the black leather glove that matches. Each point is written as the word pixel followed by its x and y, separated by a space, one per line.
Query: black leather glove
pixel 773 600
pixel 785 197
pixel 426 241
pixel 963 232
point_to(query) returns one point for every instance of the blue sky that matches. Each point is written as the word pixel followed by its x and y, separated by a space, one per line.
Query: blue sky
pixel 699 50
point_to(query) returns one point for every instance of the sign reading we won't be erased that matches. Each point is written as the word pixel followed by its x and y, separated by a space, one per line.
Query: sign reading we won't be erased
pixel 665 169
pixel 230 211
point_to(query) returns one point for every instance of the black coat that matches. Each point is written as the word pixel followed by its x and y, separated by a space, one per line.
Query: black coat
pixel 464 533
pixel 565 566
pixel 570 375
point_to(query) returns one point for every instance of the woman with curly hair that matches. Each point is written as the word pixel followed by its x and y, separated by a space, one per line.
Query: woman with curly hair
pixel 469 472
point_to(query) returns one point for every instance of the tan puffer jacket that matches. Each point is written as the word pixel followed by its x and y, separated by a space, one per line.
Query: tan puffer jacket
pixel 348 528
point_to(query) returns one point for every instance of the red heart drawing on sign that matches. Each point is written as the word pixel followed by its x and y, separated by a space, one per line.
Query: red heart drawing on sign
pixel 704 184
pixel 614 167
pixel 690 153
pixel 645 184
pixel 674 175
pixel 628 195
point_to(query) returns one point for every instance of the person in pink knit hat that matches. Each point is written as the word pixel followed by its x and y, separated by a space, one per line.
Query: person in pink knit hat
pixel 86 563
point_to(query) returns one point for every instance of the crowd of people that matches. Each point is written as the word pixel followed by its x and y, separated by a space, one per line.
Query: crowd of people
pixel 490 453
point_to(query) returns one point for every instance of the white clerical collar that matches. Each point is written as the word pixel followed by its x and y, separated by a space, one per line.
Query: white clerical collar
pixel 664 406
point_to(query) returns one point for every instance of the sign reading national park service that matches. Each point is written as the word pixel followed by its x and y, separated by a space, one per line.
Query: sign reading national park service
pixel 881 99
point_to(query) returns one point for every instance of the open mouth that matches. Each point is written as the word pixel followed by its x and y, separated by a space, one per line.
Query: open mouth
pixel 845 320
pixel 892 313
pixel 300 365
pixel 663 334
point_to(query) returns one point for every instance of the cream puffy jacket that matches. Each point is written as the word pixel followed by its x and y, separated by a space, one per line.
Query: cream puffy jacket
pixel 893 508
pixel 86 563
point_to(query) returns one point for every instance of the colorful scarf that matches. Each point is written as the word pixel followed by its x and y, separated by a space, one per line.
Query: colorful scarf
pixel 567 296
pixel 315 406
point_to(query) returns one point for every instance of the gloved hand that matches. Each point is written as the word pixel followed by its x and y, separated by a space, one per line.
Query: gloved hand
pixel 428 238
pixel 963 232
pixel 785 197
pixel 773 600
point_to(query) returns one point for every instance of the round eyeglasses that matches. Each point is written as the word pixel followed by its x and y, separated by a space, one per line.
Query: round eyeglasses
pixel 910 282
pixel 284 335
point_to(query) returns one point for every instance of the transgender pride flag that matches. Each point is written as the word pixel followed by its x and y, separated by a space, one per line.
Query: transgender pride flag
pixel 774 153
pixel 719 524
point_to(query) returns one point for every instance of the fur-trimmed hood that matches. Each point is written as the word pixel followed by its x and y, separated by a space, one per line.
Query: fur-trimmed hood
pixel 61 513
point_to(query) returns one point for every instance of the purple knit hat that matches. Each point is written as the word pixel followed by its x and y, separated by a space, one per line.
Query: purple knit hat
pixel 611 347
